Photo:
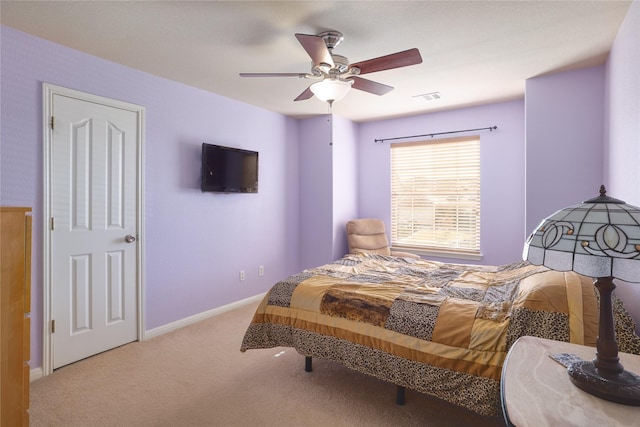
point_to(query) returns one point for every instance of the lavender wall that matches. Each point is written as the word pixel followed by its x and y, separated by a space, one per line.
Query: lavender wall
pixel 345 181
pixel 564 141
pixel 623 110
pixel 328 187
pixel 316 192
pixel 623 129
pixel 502 178
pixel 195 242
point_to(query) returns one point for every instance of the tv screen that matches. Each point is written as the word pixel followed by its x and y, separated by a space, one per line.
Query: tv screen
pixel 229 170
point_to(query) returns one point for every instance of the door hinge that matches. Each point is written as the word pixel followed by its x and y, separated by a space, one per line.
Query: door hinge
pixel 53 122
pixel 53 326
pixel 52 223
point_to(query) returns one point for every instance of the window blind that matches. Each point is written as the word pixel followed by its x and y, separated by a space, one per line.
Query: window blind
pixel 435 195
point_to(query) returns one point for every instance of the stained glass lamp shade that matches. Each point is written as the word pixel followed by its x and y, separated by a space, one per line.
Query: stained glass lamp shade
pixel 599 238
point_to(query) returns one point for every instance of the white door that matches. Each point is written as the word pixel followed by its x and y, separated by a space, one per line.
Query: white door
pixel 94 230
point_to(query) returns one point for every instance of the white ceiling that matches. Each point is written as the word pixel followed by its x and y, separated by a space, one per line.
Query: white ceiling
pixel 473 52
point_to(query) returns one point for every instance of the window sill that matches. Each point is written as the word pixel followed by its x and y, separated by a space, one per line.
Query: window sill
pixel 440 254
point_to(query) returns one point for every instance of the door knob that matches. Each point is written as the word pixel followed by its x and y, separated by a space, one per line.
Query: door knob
pixel 129 238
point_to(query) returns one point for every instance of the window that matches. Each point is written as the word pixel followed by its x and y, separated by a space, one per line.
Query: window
pixel 435 197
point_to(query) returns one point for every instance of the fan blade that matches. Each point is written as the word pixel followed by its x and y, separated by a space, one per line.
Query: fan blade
pixel 301 75
pixel 370 86
pixel 316 48
pixel 388 62
pixel 304 95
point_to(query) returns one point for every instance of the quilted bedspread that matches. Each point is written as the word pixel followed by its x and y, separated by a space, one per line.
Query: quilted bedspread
pixel 442 329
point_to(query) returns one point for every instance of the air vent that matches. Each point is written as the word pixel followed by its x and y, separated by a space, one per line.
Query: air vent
pixel 432 96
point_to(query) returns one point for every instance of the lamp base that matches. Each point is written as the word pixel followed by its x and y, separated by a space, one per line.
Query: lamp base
pixel 623 387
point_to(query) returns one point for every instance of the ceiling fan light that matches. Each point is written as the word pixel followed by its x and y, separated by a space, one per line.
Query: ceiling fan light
pixel 330 89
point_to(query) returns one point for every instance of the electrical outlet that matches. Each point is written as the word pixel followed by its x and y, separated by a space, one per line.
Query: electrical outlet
pixel 242 275
pixel 261 270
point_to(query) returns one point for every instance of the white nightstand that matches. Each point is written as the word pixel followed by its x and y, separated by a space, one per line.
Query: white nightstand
pixel 536 390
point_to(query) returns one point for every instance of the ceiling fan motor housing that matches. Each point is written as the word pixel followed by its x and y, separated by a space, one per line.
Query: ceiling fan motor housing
pixel 341 63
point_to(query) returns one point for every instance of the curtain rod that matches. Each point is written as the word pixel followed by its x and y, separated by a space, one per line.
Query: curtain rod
pixel 490 129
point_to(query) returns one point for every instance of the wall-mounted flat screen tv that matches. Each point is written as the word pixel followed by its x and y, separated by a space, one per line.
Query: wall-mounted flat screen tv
pixel 229 170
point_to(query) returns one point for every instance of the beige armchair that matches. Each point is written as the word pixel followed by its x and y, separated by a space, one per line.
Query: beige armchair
pixel 368 235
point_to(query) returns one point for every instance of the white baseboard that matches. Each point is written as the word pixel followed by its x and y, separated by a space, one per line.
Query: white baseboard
pixel 37 373
pixel 155 332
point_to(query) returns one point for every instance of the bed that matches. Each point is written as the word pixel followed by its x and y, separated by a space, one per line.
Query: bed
pixel 441 329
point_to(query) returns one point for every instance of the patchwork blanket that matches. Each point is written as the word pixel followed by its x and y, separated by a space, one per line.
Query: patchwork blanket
pixel 442 329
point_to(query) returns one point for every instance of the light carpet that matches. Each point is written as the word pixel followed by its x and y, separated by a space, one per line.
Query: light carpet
pixel 197 376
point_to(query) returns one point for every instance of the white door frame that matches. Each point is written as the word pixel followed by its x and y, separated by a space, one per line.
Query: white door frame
pixel 48 91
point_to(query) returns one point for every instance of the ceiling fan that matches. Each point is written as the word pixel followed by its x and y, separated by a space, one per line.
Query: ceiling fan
pixel 334 73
